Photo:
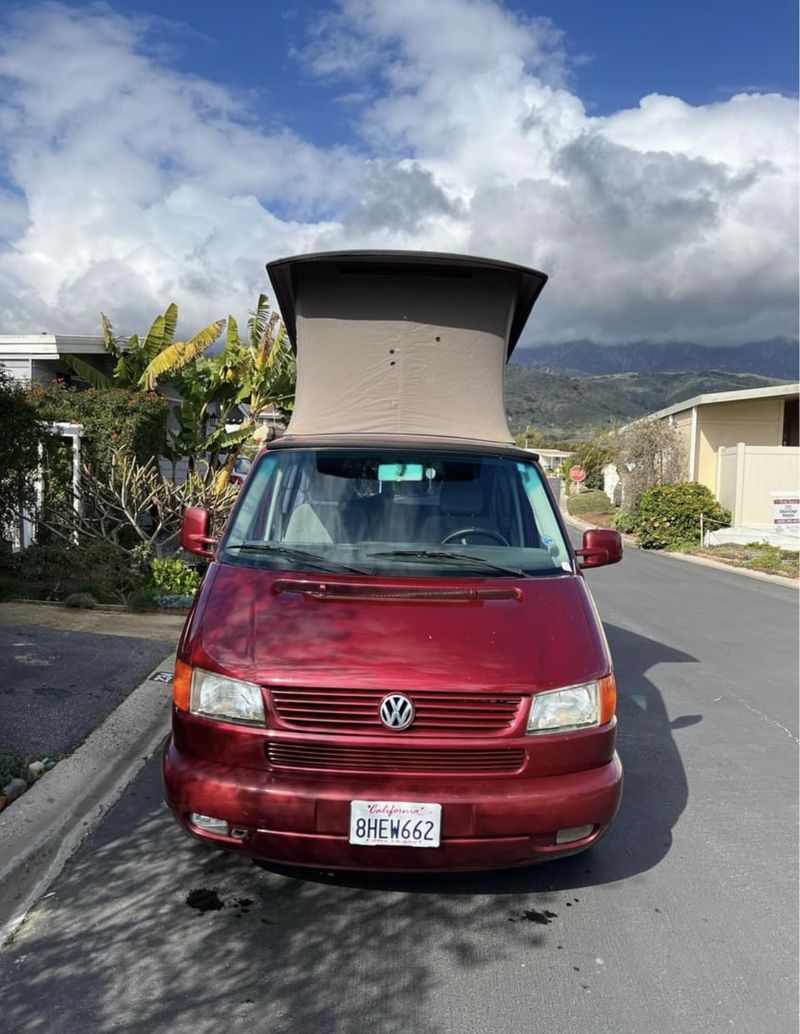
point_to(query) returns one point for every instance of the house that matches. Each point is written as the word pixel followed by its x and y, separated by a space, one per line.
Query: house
pixel 551 460
pixel 763 417
pixel 39 357
pixel 743 446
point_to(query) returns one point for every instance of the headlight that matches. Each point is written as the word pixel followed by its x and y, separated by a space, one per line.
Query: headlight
pixel 576 707
pixel 226 699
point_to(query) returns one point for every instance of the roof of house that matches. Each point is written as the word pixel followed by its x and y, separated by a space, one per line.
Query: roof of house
pixel 49 346
pixel 743 395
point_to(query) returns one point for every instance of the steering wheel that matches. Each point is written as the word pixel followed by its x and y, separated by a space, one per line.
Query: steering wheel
pixel 475 531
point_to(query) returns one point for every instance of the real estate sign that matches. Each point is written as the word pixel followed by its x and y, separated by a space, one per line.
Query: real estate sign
pixel 786 511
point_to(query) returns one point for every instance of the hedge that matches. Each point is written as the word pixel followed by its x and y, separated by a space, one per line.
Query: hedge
pixel 589 502
pixel 112 418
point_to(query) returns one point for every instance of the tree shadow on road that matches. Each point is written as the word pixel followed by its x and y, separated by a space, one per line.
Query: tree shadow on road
pixel 117 947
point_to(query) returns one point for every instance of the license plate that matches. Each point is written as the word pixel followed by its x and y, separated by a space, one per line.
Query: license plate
pixel 395 824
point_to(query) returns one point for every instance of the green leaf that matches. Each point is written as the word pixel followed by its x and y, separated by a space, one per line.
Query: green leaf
pixel 87 372
pixel 231 333
pixel 179 354
pixel 222 439
pixel 257 323
pixel 154 342
pixel 170 323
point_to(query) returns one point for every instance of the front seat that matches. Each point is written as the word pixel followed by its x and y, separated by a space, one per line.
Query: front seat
pixel 461 505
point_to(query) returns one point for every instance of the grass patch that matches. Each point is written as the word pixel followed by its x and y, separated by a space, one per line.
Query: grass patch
pixel 599 520
pixel 755 556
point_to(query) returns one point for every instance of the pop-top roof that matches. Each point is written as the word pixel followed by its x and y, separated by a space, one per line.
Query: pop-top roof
pixel 398 342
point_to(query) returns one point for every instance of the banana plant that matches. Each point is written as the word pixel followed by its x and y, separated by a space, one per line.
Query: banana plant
pixel 168 358
pixel 139 362
pixel 260 371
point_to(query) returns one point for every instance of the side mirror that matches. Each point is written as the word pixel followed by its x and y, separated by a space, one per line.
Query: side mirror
pixel 600 547
pixel 194 532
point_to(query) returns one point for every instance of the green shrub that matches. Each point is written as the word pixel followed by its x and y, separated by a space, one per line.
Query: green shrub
pixel 174 578
pixel 112 418
pixel 58 569
pixel 625 522
pixel 142 600
pixel 12 766
pixel 589 502
pixel 20 436
pixel 668 516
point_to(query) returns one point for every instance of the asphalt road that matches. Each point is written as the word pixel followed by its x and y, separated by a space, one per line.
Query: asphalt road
pixel 682 920
pixel 56 686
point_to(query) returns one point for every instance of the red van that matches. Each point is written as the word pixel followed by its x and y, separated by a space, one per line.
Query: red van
pixel 394 661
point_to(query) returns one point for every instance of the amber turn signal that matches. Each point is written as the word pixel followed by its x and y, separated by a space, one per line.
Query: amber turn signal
pixel 608 698
pixel 181 685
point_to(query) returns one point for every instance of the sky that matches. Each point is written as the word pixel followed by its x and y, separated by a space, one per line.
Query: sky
pixel 644 155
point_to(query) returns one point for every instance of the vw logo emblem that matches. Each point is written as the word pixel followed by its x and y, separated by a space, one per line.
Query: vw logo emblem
pixel 396 712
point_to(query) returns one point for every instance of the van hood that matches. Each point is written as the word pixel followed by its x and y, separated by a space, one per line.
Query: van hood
pixel 252 624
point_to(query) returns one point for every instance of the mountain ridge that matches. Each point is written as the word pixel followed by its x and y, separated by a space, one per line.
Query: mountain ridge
pixel 567 408
pixel 777 358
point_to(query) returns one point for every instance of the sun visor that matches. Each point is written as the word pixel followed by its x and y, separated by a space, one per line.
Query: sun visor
pixel 402 343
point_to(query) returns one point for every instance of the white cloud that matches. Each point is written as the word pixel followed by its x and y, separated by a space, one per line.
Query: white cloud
pixel 130 184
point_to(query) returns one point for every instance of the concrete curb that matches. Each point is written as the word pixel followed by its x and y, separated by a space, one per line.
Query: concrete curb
pixel 44 827
pixel 629 543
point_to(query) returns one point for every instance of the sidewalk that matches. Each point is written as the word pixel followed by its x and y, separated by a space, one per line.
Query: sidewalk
pixel 75 683
pixel 109 622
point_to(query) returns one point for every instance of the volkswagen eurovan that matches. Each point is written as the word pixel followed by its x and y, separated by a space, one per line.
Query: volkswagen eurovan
pixel 394 661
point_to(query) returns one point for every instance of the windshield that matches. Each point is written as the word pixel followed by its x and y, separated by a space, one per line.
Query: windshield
pixel 407 512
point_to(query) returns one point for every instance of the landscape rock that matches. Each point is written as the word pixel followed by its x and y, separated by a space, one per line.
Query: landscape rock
pixel 13 789
pixel 36 769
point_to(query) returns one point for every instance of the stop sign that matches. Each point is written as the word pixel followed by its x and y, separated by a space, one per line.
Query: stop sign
pixel 577 473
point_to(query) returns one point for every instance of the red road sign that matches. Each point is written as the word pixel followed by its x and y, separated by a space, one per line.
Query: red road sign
pixel 577 473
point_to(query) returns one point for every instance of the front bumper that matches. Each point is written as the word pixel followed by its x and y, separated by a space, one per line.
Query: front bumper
pixel 486 824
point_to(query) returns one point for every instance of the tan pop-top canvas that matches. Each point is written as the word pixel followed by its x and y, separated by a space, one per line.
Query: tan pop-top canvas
pixel 402 342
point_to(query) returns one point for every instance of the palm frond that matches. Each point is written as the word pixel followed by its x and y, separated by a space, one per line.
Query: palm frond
pixel 231 333
pixel 177 355
pixel 220 439
pixel 170 323
pixel 257 322
pixel 87 372
pixel 109 340
pixel 154 342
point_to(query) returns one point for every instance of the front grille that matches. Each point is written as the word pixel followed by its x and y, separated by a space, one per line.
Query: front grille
pixel 393 759
pixel 356 710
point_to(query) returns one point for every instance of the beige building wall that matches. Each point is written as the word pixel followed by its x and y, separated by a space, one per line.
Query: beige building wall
pixel 682 422
pixel 719 424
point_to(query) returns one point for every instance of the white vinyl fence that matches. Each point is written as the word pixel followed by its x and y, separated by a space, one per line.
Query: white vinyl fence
pixel 748 474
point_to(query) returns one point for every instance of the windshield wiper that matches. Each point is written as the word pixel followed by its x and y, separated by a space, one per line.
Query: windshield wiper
pixel 435 554
pixel 296 554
